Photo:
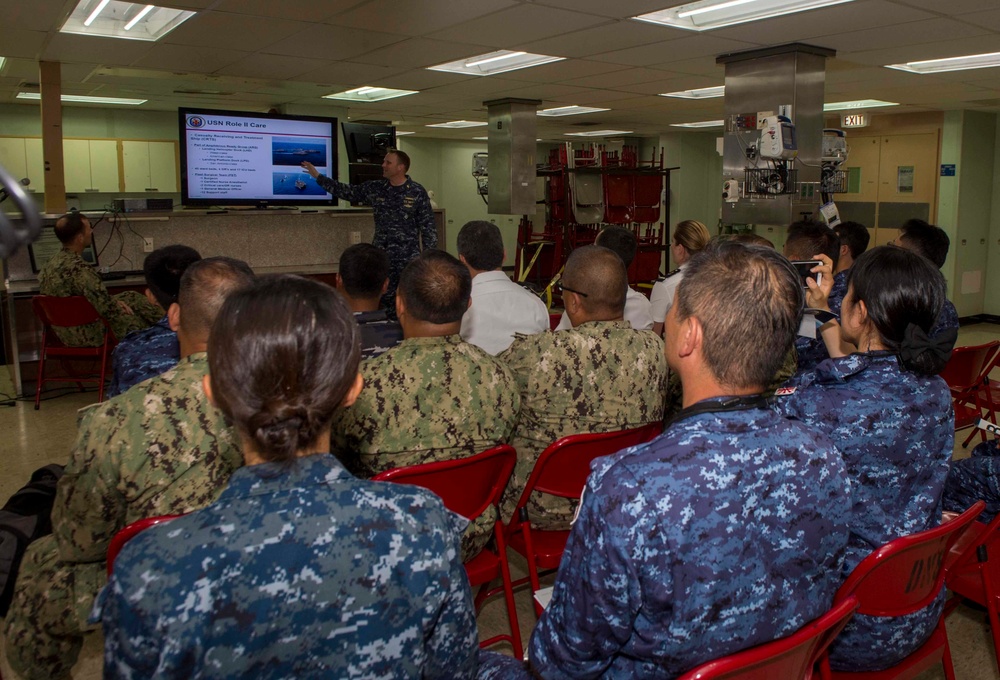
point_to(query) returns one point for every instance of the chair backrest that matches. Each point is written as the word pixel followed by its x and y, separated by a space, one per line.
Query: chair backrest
pixel 468 486
pixel 119 540
pixel 905 575
pixel 75 310
pixel 790 658
pixel 969 365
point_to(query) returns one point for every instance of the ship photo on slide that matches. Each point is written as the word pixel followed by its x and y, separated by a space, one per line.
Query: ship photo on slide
pixel 294 150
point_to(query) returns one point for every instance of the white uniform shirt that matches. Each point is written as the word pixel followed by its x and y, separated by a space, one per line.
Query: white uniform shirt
pixel 662 296
pixel 499 309
pixel 637 313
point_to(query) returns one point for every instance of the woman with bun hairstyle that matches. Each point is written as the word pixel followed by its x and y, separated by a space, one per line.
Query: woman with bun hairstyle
pixel 690 237
pixel 890 416
pixel 299 569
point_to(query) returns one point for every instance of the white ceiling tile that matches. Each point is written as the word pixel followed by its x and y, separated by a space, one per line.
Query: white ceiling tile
pixel 618 79
pixel 297 11
pixel 20 43
pixel 272 67
pixel 912 33
pixel 952 7
pixel 989 19
pixel 419 52
pixel 561 71
pixel 518 25
pixel 606 38
pixel 979 44
pixel 323 41
pixel 66 47
pixel 620 8
pixel 417 17
pixel 33 15
pixel 420 79
pixel 680 49
pixel 232 31
pixel 185 58
pixel 349 73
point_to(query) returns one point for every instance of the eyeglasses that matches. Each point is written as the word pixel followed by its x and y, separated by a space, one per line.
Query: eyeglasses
pixel 568 289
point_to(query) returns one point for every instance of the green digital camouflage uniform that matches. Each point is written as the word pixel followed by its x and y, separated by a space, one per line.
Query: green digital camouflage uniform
pixel 600 376
pixel 158 449
pixel 425 400
pixel 67 274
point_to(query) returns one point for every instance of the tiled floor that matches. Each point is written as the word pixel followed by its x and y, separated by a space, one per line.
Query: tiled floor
pixel 30 439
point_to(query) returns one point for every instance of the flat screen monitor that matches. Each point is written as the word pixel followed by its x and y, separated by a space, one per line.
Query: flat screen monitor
pixel 368 143
pixel 237 158
pixel 48 245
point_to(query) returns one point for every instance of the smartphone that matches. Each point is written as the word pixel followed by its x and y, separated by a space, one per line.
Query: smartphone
pixel 804 268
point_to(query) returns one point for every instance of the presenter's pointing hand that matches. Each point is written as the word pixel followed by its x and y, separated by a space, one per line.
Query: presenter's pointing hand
pixel 310 168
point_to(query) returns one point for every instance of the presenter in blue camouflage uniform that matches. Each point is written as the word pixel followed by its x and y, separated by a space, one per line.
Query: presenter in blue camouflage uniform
pixel 404 219
pixel 362 278
pixel 149 352
pixel 725 532
pixel 890 416
pixel 298 570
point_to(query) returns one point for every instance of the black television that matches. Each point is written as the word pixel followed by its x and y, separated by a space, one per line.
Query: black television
pixel 240 158
pixel 368 143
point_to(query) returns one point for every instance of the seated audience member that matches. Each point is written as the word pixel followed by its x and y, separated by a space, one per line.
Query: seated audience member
pixel 363 278
pixel 158 449
pixel 890 416
pixel 434 396
pixel 854 238
pixel 728 530
pixel 690 236
pixel 500 308
pixel 752 239
pixel 976 478
pixel 598 376
pixel 67 274
pixel 298 569
pixel 150 351
pixel 638 311
pixel 933 243
pixel 805 241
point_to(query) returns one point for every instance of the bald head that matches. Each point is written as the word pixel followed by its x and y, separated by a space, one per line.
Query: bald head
pixel 599 273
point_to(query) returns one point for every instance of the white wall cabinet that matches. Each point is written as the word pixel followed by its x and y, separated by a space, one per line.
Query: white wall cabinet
pixel 150 166
pixel 22 157
pixel 91 165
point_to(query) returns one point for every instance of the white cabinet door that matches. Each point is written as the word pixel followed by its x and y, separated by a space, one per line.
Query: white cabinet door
pixel 104 175
pixel 36 163
pixel 135 160
pixel 163 166
pixel 13 157
pixel 76 164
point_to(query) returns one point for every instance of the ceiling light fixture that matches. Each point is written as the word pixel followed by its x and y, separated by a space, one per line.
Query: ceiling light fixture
pixel 965 63
pixel 570 111
pixel 369 94
pixel 3 60
pixel 598 133
pixel 705 15
pixel 458 124
pixel 700 124
pixel 701 93
pixel 121 19
pixel 400 133
pixel 138 17
pixel 491 63
pixel 97 11
pixel 84 99
pixel 857 104
pixel 480 138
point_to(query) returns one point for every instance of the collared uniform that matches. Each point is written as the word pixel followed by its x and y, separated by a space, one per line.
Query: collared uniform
pixel 976 478
pixel 158 449
pixel 295 572
pixel 895 432
pixel 142 355
pixel 404 221
pixel 378 333
pixel 67 274
pixel 839 290
pixel 947 320
pixel 500 308
pixel 426 400
pixel 661 298
pixel 598 377
pixel 638 312
pixel 691 547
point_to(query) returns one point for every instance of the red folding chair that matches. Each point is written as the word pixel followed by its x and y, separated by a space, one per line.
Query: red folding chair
pixel 131 531
pixel 69 312
pixel 972 575
pixel 790 658
pixel 469 486
pixel 902 577
pixel 967 374
pixel 562 470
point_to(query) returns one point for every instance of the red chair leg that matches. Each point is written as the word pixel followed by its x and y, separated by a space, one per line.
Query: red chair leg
pixel 508 593
pixel 529 554
pixel 949 669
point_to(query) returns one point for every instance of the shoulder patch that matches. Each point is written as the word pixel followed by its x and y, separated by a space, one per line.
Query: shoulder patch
pixel 669 274
pixel 784 391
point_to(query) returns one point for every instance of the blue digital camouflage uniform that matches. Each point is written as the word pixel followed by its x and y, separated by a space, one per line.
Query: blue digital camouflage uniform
pixel 895 431
pixel 143 355
pixel 299 571
pixel 947 320
pixel 837 293
pixel 976 478
pixel 404 222
pixel 691 547
pixel 378 333
pixel 158 449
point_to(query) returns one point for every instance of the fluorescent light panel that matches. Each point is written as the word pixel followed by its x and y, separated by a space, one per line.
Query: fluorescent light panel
pixel 700 124
pixel 705 15
pixel 119 19
pixel 857 104
pixel 965 63
pixel 491 63
pixel 3 60
pixel 83 99
pixel 599 133
pixel 570 111
pixel 458 124
pixel 369 94
pixel 701 93
pixel 400 133
pixel 480 138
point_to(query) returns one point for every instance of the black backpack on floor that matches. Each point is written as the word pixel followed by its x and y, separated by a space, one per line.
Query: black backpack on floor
pixel 26 516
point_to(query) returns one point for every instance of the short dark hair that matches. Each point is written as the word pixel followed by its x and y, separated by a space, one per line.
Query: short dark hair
pixel 619 240
pixel 283 355
pixel 854 235
pixel 205 286
pixel 600 273
pixel 899 287
pixel 363 270
pixel 751 239
pixel 69 226
pixel 749 302
pixel 402 157
pixel 435 287
pixel 807 238
pixel 926 239
pixel 163 269
pixel 481 244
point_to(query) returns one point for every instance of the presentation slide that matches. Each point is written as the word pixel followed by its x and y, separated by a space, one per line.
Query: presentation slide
pixel 236 157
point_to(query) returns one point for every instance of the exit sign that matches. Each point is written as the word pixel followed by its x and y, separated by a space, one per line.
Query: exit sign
pixel 854 120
